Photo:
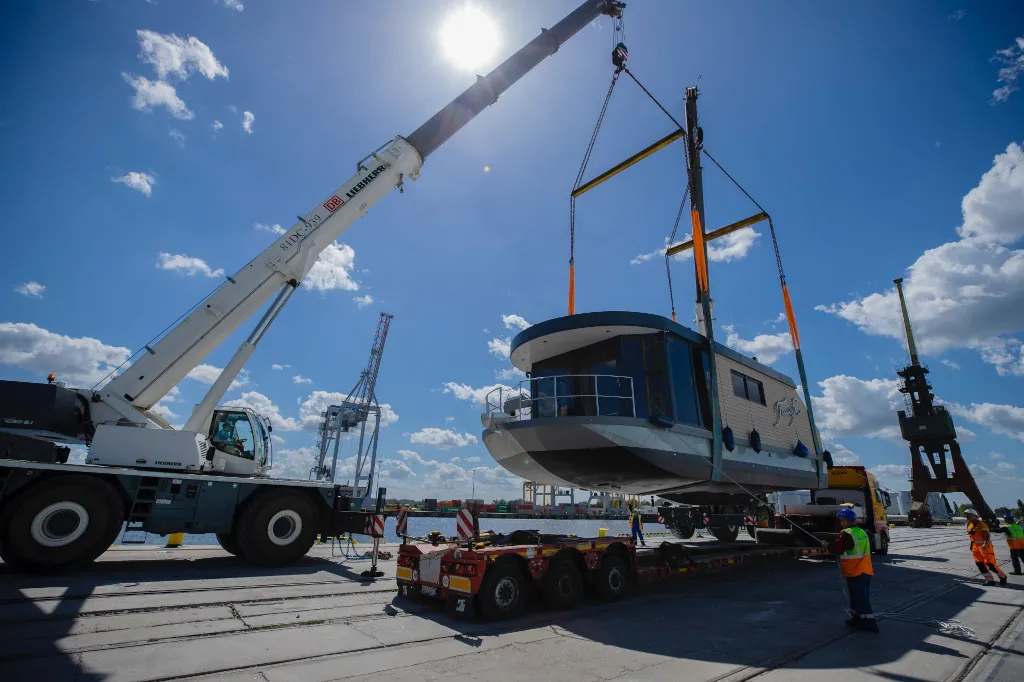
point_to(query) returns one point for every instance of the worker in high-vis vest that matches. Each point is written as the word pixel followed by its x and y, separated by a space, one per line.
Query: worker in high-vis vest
pixel 1015 541
pixel 982 549
pixel 636 525
pixel 854 549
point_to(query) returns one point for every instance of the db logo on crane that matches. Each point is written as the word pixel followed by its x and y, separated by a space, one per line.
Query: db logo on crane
pixel 334 203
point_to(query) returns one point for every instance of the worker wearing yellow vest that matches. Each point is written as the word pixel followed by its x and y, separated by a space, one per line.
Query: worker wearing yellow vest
pixel 636 525
pixel 854 549
pixel 1015 541
pixel 982 549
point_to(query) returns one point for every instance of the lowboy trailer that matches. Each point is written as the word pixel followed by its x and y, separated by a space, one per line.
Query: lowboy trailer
pixel 494 576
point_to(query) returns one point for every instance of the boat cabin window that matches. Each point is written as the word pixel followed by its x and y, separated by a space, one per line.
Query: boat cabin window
pixel 630 376
pixel 748 388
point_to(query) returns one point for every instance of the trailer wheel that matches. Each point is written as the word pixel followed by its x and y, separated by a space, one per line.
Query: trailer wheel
pixel 563 585
pixel 725 533
pixel 883 544
pixel 60 524
pixel 611 579
pixel 277 529
pixel 682 531
pixel 229 543
pixel 501 593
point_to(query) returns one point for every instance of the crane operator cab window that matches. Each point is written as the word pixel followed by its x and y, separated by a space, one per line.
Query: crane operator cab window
pixel 232 434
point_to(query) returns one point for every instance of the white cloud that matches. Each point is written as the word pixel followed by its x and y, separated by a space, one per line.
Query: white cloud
pixel 474 395
pixel 950 364
pixel 181 57
pixel 449 420
pixel 996 455
pixel 296 463
pixel 277 439
pixel 732 246
pixel 189 265
pixel 247 120
pixel 140 182
pixel 415 458
pixel 1006 420
pixel 299 379
pixel 892 472
pixel 150 95
pixel 319 401
pixel 238 6
pixel 161 407
pixel 83 361
pixel 500 347
pixel 442 438
pixel 278 367
pixel 472 460
pixel 766 347
pixel 516 322
pixel 363 301
pixel 207 374
pixel 32 289
pixel 841 455
pixel 958 15
pixel 265 406
pixel 976 278
pixel 177 136
pixel 1005 466
pixel 510 374
pixel 274 229
pixel 849 406
pixel 965 434
pixel 395 470
pixel 1012 59
pixel 216 125
pixel 333 270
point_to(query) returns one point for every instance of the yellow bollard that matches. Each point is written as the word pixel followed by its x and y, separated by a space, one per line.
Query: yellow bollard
pixel 175 539
pixel 601 532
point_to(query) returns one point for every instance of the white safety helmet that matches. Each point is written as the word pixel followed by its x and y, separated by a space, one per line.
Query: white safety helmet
pixel 970 512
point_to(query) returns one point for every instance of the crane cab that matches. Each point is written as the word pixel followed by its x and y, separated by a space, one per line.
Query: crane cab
pixel 240 442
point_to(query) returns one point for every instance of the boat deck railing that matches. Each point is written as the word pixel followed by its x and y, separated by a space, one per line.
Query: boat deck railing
pixel 563 395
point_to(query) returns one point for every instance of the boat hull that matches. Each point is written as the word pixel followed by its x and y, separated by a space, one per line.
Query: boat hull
pixel 622 454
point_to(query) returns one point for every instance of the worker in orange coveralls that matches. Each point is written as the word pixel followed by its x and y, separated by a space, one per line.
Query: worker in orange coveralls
pixel 982 549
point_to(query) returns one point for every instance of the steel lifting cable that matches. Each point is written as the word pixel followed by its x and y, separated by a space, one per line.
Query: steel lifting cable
pixel 576 185
pixel 671 239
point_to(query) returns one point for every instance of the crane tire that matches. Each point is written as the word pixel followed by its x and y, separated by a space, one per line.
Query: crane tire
pixel 60 523
pixel 277 529
pixel 229 543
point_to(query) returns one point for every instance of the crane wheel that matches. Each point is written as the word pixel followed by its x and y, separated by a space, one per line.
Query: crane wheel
pixel 682 531
pixel 502 592
pixel 277 529
pixel 563 585
pixel 229 543
pixel 611 579
pixel 60 523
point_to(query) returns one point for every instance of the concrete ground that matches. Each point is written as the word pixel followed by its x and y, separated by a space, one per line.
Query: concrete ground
pixel 155 614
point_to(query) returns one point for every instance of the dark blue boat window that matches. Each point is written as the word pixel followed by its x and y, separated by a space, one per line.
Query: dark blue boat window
pixel 702 377
pixel 683 385
pixel 631 364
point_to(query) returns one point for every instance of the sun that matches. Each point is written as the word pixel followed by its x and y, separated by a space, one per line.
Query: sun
pixel 469 38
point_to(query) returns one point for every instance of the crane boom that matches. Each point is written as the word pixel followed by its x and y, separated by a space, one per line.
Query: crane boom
pixel 288 260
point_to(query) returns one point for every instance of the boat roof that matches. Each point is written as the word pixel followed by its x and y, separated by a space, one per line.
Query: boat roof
pixel 563 334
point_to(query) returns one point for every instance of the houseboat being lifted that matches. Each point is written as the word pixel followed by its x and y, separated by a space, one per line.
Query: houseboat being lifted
pixel 620 402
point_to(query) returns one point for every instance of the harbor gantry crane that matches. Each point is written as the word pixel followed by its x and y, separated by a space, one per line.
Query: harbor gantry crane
pixel 936 464
pixel 355 410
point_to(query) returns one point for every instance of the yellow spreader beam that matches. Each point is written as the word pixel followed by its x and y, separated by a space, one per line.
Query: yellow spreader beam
pixel 639 156
pixel 720 232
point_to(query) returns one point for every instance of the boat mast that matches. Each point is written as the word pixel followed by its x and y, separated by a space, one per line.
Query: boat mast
pixel 694 142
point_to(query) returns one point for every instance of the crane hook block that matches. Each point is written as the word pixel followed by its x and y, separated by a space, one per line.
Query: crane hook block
pixel 619 56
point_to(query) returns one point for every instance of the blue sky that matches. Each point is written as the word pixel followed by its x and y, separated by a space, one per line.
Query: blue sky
pixel 884 140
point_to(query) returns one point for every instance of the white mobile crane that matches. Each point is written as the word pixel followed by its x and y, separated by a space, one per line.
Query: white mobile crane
pixel 208 476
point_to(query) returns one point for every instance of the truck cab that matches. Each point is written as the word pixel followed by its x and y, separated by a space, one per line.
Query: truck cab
pixel 848 486
pixel 240 442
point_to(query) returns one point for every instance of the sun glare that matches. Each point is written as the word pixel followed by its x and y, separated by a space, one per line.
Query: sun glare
pixel 469 38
